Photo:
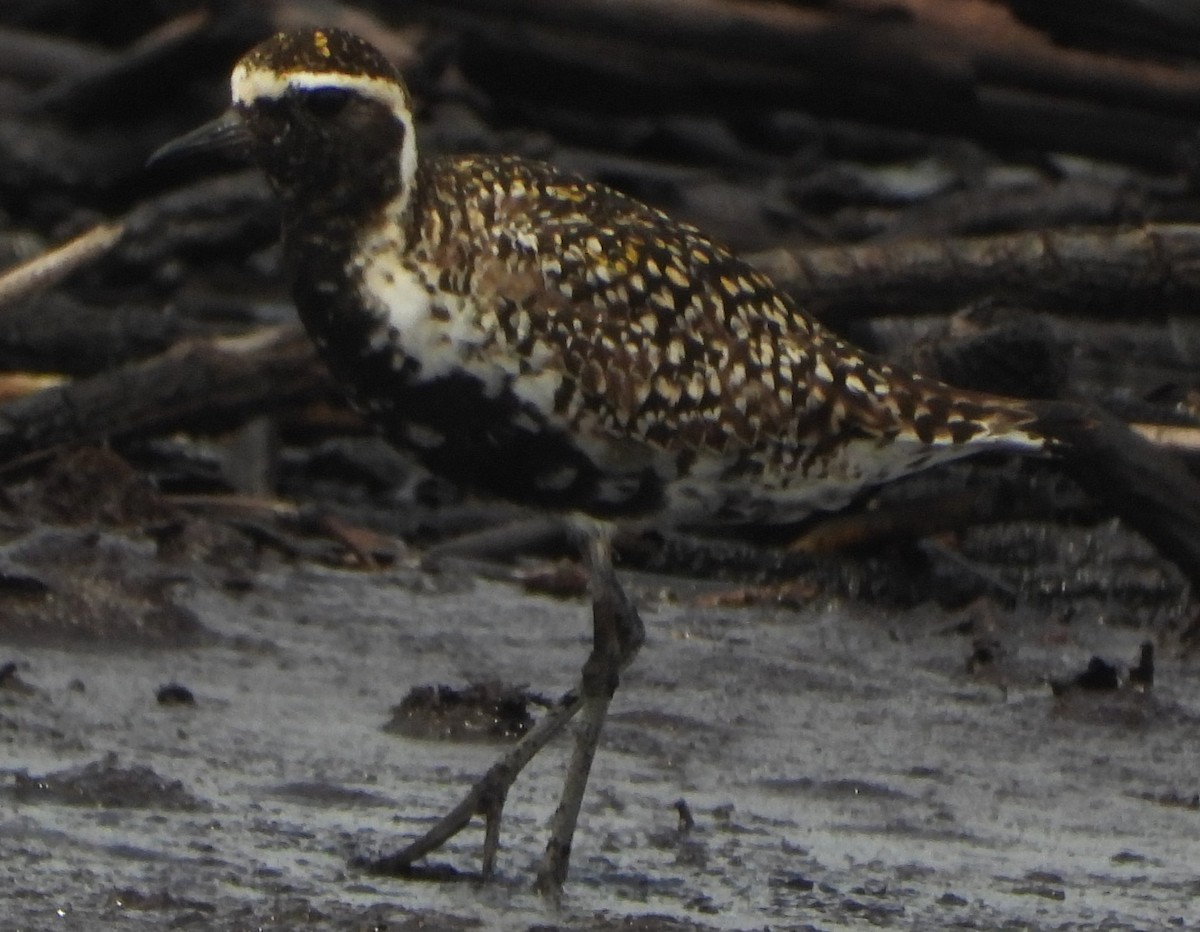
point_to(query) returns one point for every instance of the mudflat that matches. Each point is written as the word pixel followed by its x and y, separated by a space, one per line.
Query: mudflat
pixel 840 765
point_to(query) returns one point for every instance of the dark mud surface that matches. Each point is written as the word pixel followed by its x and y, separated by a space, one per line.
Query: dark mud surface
pixel 842 767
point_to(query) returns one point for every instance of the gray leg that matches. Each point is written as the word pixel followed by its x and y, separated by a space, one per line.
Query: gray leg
pixel 618 633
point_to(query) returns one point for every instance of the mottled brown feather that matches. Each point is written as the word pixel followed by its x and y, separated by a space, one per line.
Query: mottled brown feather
pixel 666 334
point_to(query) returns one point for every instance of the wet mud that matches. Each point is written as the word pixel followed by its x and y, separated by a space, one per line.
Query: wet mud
pixel 812 764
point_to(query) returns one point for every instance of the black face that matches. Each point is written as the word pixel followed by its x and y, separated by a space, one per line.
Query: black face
pixel 327 148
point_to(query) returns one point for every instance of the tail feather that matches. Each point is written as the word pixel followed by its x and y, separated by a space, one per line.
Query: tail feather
pixel 932 413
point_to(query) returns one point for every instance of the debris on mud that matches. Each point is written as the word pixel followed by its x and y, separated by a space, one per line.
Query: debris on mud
pixel 103 588
pixel 104 784
pixel 1103 676
pixel 478 712
pixel 174 694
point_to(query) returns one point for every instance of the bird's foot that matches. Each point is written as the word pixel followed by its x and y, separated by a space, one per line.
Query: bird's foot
pixel 486 798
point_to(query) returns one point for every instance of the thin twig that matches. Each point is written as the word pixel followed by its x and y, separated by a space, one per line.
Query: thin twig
pixel 53 266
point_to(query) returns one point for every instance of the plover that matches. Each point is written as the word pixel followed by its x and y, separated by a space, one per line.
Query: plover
pixel 552 341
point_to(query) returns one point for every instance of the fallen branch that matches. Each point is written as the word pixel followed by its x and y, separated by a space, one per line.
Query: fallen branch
pixel 1178 437
pixel 923 517
pixel 1131 273
pixel 213 384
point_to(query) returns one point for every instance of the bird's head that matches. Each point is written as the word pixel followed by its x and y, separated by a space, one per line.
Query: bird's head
pixel 325 114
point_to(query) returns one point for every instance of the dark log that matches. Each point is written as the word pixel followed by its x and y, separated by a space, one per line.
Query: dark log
pixel 1141 274
pixel 1118 25
pixel 1088 201
pixel 1147 488
pixel 991 76
pixel 228 215
pixel 34 57
pixel 157 68
pixel 56 333
pixel 213 385
pixel 926 516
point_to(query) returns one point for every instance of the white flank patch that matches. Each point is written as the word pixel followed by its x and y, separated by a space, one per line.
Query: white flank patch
pixel 398 297
pixel 404 308
pixel 539 390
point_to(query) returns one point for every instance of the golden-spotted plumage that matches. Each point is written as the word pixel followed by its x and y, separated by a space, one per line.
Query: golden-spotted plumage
pixel 652 348
pixel 719 357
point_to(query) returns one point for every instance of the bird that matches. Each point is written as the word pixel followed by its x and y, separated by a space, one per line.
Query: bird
pixel 546 339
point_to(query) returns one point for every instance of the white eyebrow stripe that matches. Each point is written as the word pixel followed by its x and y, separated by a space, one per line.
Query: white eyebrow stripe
pixel 248 84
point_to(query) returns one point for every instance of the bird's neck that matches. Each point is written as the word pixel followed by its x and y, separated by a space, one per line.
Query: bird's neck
pixel 328 240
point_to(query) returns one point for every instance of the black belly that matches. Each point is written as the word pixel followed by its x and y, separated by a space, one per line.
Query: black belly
pixel 496 444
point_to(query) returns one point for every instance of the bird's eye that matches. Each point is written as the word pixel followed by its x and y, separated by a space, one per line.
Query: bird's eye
pixel 326 102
